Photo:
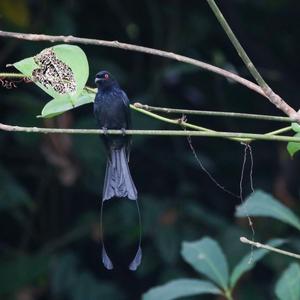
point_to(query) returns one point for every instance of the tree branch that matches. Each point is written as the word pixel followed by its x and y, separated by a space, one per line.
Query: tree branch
pixel 212 113
pixel 273 97
pixel 270 248
pixel 240 135
pixel 130 47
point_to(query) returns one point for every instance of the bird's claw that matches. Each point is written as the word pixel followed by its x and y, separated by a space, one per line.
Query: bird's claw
pixel 123 131
pixel 183 119
pixel 104 130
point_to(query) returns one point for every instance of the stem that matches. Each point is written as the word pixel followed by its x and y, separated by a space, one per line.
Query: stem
pixel 270 248
pixel 228 295
pixel 274 98
pixel 281 130
pixel 213 113
pixel 181 122
pixel 241 135
pixel 12 75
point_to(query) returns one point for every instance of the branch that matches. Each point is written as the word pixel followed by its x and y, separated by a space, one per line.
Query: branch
pixel 11 75
pixel 212 113
pixel 130 47
pixel 274 98
pixel 141 108
pixel 270 248
pixel 240 135
pixel 182 122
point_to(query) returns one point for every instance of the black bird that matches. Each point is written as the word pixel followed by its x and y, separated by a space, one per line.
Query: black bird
pixel 111 110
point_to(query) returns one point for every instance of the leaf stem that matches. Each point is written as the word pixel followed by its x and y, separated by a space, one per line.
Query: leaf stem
pixel 12 75
pixel 281 130
pixel 270 248
pixel 228 295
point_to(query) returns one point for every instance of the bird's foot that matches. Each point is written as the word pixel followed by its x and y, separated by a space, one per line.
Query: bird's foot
pixel 123 131
pixel 104 130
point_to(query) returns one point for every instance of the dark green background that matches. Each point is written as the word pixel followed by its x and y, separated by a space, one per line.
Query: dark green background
pixel 51 184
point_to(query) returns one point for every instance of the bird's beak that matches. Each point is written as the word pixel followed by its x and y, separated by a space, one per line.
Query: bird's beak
pixel 97 80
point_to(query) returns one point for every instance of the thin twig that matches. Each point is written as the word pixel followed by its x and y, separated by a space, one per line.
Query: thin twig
pixel 270 248
pixel 212 113
pixel 11 75
pixel 281 130
pixel 274 98
pixel 180 122
pixel 240 135
pixel 143 110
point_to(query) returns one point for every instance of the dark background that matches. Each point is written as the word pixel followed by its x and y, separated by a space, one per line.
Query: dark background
pixel 51 184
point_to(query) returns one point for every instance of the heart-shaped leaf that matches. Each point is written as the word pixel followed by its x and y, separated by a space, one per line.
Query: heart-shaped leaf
pixel 61 71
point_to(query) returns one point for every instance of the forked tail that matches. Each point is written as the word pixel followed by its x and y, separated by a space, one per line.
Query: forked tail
pixel 118 183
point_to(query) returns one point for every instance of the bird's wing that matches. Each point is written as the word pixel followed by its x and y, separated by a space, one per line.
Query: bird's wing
pixel 125 98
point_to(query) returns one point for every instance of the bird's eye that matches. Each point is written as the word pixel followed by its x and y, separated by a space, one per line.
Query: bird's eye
pixel 106 76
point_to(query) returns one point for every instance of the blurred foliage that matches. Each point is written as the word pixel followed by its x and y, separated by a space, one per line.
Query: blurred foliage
pixel 50 186
pixel 207 258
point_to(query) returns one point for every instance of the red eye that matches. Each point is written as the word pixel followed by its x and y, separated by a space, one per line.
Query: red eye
pixel 106 76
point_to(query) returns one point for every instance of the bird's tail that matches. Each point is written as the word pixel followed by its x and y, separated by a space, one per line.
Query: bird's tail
pixel 118 181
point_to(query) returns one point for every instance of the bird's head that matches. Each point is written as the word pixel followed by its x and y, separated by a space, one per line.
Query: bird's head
pixel 104 79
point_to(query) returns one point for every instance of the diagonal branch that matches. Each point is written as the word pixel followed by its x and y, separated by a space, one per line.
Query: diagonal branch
pixel 270 248
pixel 130 47
pixel 212 113
pixel 272 96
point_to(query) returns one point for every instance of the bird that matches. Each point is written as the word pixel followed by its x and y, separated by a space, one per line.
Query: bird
pixel 112 111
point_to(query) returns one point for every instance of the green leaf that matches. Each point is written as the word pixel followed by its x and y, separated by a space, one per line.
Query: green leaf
pixel 72 56
pixel 293 147
pixel 288 285
pixel 245 265
pixel 76 60
pixel 58 106
pixel 181 288
pixel 207 257
pixel 261 204
pixel 21 271
pixel 296 127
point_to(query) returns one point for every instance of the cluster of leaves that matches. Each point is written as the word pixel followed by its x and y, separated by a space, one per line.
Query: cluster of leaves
pixel 207 258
